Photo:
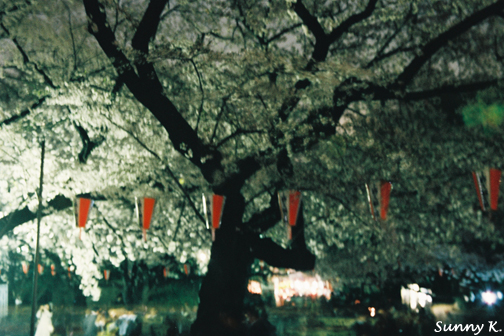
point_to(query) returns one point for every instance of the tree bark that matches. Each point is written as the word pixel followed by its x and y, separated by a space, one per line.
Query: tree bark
pixel 224 287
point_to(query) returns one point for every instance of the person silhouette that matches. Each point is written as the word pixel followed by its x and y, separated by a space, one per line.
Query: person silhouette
pixel 44 325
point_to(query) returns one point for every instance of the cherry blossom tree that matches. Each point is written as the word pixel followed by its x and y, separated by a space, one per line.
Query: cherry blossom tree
pixel 173 99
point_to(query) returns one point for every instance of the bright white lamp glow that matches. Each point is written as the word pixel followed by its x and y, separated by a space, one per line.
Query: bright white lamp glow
pixel 489 297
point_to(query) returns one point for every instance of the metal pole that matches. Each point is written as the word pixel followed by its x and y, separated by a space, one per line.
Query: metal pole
pixel 37 256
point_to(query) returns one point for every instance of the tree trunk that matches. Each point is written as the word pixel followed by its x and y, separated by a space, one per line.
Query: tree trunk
pixel 224 287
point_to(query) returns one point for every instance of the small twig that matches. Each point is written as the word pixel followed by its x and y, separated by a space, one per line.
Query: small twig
pixel 179 221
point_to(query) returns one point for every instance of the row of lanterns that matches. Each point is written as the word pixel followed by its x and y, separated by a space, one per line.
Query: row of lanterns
pixel 40 269
pixel 143 208
pixel 378 196
pixel 289 202
pixel 106 273
pixel 487 185
pixel 289 205
pixel 166 272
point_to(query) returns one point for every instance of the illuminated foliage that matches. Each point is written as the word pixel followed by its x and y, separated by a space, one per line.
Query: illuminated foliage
pixel 172 99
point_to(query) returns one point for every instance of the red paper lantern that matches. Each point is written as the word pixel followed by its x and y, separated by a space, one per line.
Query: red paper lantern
pixel 217 210
pixel 40 268
pixel 145 211
pixel 53 270
pixel 26 267
pixel 217 207
pixel 289 203
pixel 294 205
pixel 165 272
pixel 385 189
pixel 106 274
pixel 82 207
pixel 187 269
pixel 491 188
pixel 381 195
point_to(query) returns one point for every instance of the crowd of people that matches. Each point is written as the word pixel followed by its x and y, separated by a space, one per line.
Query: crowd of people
pixel 123 322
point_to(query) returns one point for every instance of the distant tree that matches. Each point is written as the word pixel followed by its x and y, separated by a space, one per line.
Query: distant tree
pixel 245 99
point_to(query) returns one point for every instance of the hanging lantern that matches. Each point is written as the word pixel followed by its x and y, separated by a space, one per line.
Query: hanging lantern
pixel 294 205
pixel 380 195
pixel 26 267
pixel 289 203
pixel 40 269
pixel 53 270
pixel 70 270
pixel 493 187
pixel 187 269
pixel 217 210
pixel 487 184
pixel 144 213
pixel 165 272
pixel 106 274
pixel 385 188
pixel 82 207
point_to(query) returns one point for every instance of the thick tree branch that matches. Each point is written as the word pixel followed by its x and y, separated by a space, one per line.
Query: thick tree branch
pixel 266 219
pixel 309 20
pixel 25 215
pixel 363 90
pixel 275 255
pixel 322 40
pixel 88 145
pixel 246 167
pixel 337 32
pixel 471 87
pixel 148 91
pixel 440 41
pixel 144 34
pixel 148 26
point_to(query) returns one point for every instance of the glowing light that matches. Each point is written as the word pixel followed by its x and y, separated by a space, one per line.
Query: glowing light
pixel 372 311
pixel 254 287
pixel 489 297
pixel 203 257
pixel 415 296
pixel 300 285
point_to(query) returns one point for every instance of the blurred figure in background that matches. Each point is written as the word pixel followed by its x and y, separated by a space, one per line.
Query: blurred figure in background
pixel 44 325
pixel 90 327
